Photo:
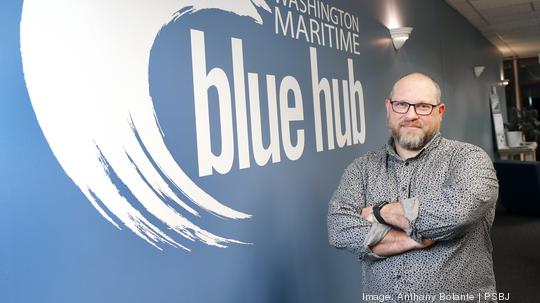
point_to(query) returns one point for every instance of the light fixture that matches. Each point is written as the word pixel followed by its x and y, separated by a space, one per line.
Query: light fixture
pixel 503 82
pixel 400 35
pixel 478 70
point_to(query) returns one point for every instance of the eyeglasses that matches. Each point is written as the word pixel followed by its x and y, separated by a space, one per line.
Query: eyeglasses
pixel 422 109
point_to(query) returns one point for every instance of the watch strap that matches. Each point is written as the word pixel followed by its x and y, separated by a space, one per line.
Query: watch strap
pixel 377 212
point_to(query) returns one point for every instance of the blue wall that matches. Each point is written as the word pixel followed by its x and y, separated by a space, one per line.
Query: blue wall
pixel 57 248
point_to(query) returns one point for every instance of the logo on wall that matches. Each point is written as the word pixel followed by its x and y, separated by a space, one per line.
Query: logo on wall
pixel 100 77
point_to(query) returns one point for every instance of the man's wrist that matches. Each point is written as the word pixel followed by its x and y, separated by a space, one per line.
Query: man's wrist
pixel 393 215
pixel 377 212
pixel 367 213
pixel 371 218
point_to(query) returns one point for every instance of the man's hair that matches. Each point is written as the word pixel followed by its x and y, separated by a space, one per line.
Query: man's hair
pixel 435 84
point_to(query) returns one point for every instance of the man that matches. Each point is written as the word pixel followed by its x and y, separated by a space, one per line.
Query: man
pixel 418 212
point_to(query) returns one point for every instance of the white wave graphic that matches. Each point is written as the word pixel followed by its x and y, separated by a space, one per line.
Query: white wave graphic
pixel 86 70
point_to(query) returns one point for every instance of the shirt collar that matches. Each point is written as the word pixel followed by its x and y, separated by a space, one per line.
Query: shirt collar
pixel 433 143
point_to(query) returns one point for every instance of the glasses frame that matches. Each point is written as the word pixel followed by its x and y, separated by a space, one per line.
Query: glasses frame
pixel 392 102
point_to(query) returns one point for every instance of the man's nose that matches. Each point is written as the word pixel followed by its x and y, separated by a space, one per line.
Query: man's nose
pixel 411 113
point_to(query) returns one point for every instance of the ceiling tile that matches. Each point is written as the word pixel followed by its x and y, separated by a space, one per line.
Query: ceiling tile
pixel 516 25
pixel 508 18
pixel 526 49
pixel 484 4
pixel 517 37
pixel 507 10
pixel 513 26
pixel 524 30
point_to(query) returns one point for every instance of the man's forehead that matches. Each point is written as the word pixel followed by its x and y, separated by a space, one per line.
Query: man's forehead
pixel 415 81
pixel 415 85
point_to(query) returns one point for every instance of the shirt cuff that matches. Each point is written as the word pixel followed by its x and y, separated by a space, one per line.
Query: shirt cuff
pixel 410 211
pixel 376 233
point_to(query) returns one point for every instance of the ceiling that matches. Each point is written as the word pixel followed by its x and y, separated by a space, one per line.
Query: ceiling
pixel 513 26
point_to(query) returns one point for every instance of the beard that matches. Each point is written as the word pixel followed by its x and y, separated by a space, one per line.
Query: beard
pixel 414 139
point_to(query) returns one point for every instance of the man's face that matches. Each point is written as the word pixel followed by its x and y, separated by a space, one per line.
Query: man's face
pixel 410 130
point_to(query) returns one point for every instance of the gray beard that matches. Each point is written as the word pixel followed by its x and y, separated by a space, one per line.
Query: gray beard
pixel 412 142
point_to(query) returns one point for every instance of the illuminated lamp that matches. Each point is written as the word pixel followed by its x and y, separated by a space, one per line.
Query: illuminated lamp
pixel 400 35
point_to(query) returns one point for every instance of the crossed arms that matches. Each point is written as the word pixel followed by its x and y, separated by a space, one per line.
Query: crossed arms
pixel 446 213
pixel 396 240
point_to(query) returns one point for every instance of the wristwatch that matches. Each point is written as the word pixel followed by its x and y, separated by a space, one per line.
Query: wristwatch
pixel 377 212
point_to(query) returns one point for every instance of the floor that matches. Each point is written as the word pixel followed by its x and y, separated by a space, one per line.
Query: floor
pixel 516 256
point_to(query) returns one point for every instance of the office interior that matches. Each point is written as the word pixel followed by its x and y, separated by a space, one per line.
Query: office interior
pixel 260 233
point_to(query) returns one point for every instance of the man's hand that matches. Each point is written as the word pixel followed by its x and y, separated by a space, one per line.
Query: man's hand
pixel 397 242
pixel 424 244
pixel 393 214
pixel 367 213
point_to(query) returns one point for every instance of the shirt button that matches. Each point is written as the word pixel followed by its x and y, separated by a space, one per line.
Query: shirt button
pixel 406 163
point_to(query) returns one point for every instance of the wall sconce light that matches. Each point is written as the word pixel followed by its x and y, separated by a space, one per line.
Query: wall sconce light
pixel 478 70
pixel 503 82
pixel 400 35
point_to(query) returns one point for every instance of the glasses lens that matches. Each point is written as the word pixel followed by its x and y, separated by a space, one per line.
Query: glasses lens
pixel 423 108
pixel 400 107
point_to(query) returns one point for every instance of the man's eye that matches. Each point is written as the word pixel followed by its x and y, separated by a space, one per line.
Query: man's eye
pixel 424 106
pixel 402 104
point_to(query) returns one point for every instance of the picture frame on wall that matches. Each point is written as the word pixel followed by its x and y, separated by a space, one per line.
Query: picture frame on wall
pixel 498 121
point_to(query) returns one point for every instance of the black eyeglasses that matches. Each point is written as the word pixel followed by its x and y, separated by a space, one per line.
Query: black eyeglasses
pixel 422 109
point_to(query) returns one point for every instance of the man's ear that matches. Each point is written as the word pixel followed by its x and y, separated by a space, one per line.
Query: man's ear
pixel 388 106
pixel 442 109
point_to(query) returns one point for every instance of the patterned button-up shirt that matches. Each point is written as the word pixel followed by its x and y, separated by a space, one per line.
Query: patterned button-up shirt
pixel 448 192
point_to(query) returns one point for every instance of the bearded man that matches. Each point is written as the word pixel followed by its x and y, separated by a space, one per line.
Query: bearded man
pixel 418 212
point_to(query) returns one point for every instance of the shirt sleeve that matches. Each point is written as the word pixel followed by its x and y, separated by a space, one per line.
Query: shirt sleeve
pixel 410 211
pixel 468 194
pixel 346 228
